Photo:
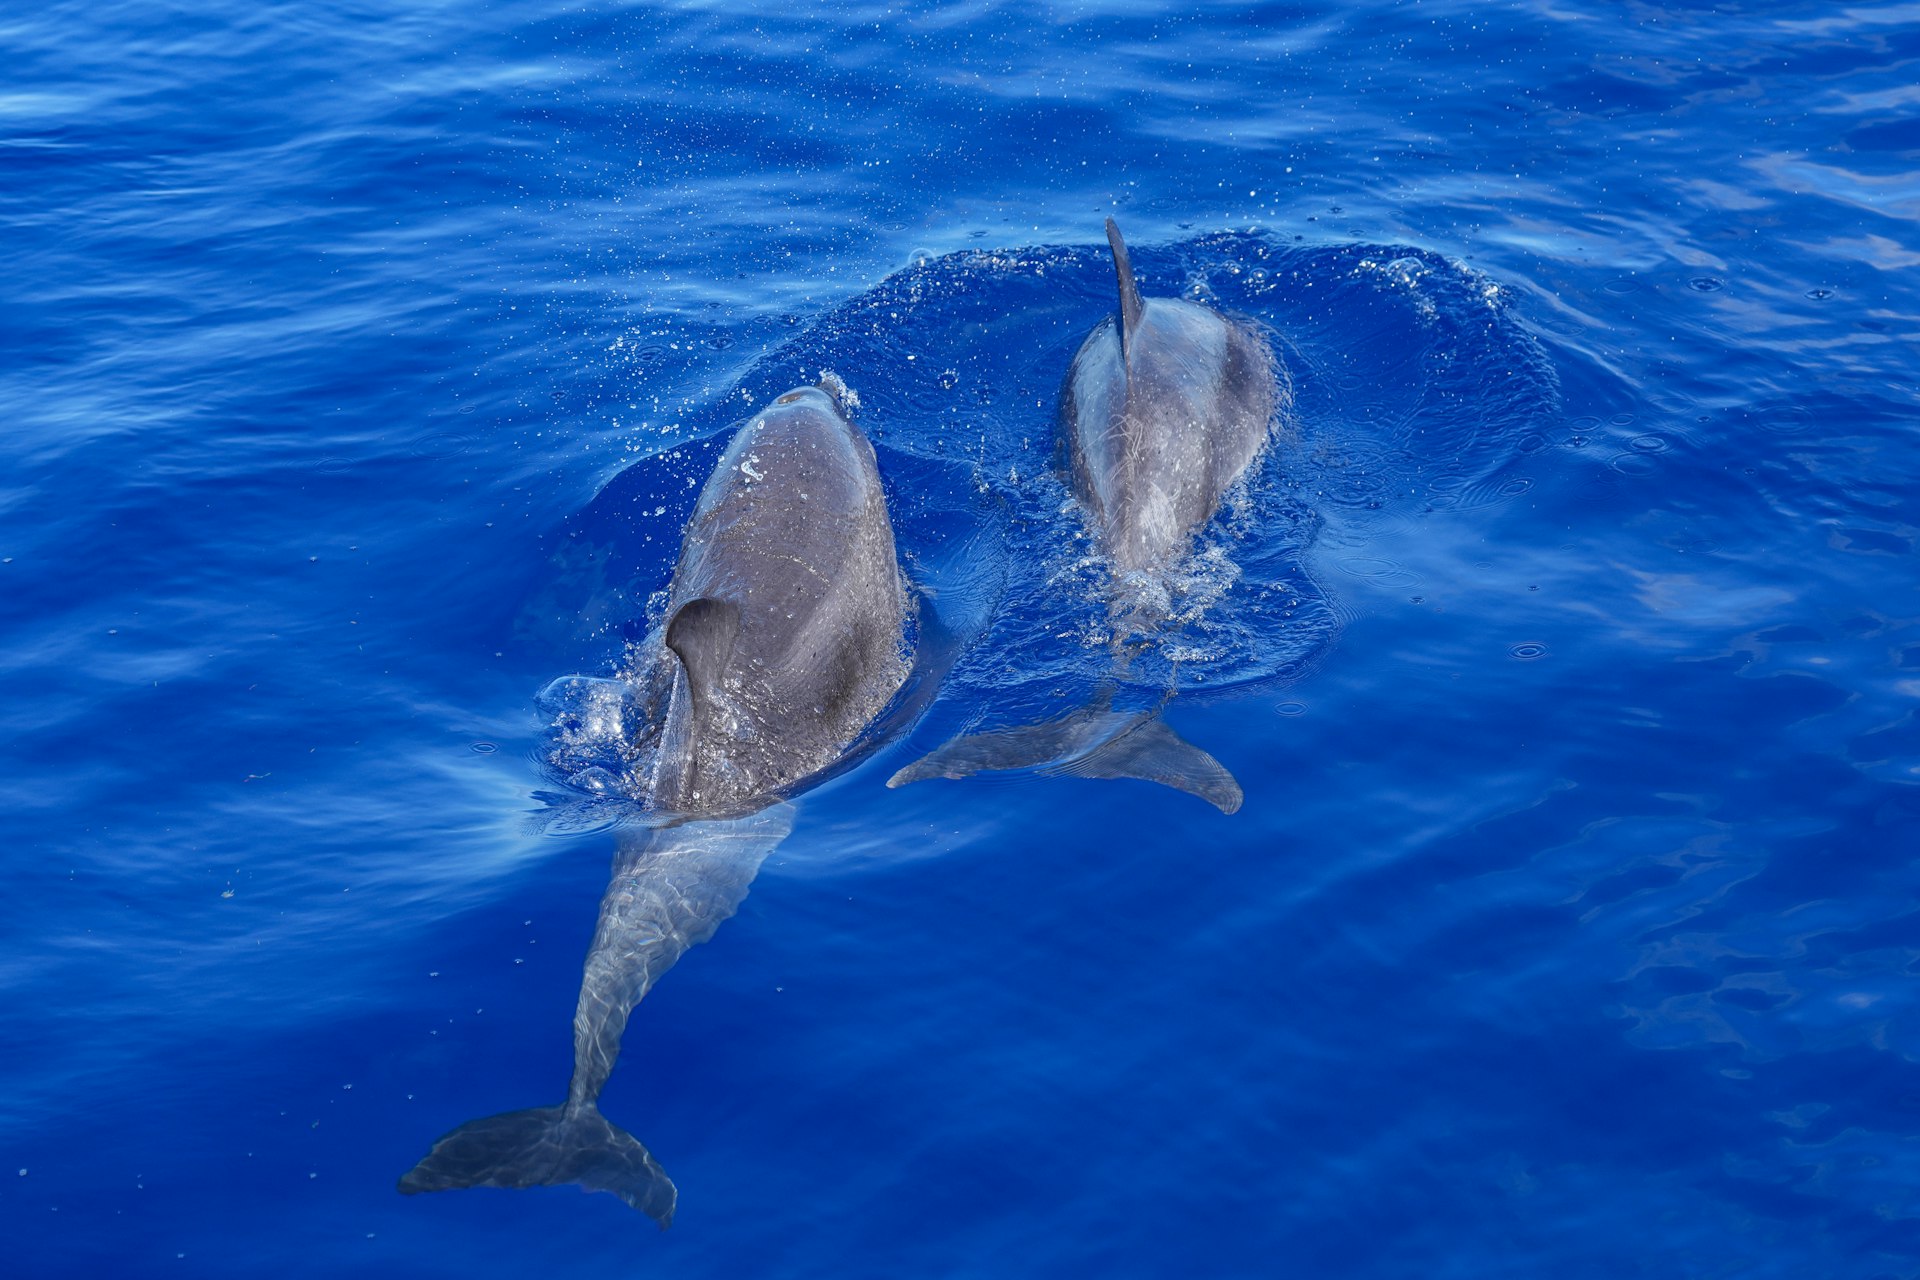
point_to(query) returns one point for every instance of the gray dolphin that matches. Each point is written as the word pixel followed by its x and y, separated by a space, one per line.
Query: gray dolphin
pixel 786 638
pixel 1165 405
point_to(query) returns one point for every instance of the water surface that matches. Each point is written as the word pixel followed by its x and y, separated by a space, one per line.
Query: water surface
pixel 1566 644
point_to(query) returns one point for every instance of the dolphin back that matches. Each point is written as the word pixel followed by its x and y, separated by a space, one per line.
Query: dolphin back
pixel 1166 403
pixel 789 611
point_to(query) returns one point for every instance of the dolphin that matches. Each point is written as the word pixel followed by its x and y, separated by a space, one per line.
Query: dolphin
pixel 1166 403
pixel 1165 406
pixel 786 637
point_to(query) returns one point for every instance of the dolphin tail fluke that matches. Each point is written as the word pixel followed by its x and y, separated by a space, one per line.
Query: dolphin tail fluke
pixel 1093 742
pixel 547 1146
pixel 1030 746
pixel 1153 752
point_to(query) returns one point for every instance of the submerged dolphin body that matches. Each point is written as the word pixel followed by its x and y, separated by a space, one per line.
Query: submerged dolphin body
pixel 1164 407
pixel 786 637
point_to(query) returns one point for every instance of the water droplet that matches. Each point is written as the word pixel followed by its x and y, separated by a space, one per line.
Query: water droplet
pixel 1820 295
pixel 1706 284
pixel 1528 650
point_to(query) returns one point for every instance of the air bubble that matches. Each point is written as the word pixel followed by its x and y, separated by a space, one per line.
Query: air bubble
pixel 595 780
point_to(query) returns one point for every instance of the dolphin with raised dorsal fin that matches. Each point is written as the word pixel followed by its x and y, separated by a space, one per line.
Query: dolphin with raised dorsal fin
pixel 1164 407
pixel 1166 403
pixel 785 639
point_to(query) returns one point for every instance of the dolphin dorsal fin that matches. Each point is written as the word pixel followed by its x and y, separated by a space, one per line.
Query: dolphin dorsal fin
pixel 701 634
pixel 1130 304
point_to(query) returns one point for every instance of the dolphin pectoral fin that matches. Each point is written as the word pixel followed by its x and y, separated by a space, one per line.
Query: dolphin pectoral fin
pixel 701 634
pixel 1153 752
pixel 1130 305
pixel 545 1147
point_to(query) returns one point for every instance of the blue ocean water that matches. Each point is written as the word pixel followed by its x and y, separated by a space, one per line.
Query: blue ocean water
pixel 356 363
